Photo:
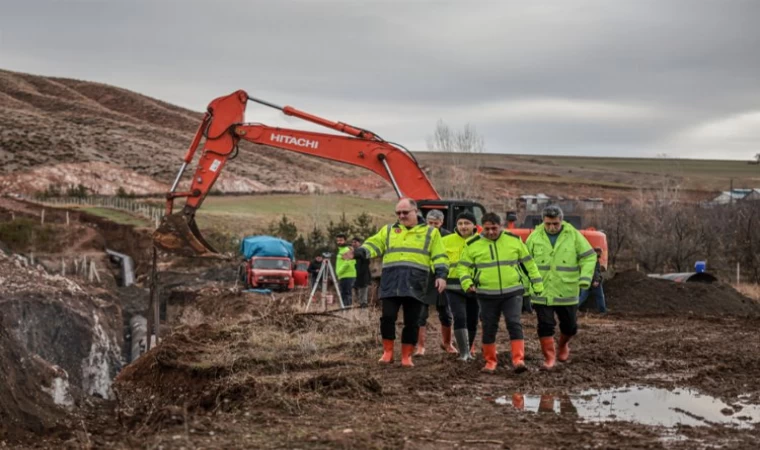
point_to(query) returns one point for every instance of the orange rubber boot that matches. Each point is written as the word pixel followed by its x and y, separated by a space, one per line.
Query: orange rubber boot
pixel 387 357
pixel 406 355
pixel 489 354
pixel 547 348
pixel 446 340
pixel 563 352
pixel 518 355
pixel 420 348
pixel 518 401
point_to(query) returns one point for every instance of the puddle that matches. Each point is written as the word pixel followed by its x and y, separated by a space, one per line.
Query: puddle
pixel 642 405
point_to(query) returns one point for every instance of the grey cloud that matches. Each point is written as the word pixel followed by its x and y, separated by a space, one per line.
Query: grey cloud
pixel 688 63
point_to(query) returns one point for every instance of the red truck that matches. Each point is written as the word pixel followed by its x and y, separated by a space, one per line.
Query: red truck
pixel 269 272
pixel 268 263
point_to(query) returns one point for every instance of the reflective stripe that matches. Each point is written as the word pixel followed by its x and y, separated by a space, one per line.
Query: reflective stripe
pixel 442 255
pixel 406 250
pixel 512 262
pixel 406 264
pixel 539 300
pixel 567 269
pixel 537 280
pixel 526 259
pixel 544 267
pixel 466 264
pixel 440 266
pixel 585 279
pixel 452 265
pixel 428 236
pixel 374 247
pixel 500 291
pixel 586 253
pixel 565 299
pixel 453 287
pixel 466 277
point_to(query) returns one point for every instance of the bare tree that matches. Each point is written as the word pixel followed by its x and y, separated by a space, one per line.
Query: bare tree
pixel 459 176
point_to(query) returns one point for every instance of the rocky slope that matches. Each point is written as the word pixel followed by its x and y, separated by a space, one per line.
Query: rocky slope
pixel 67 131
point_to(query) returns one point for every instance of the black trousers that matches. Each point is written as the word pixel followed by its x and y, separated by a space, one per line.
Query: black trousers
pixel 466 310
pixel 412 308
pixel 568 322
pixel 442 307
pixel 346 290
pixel 492 309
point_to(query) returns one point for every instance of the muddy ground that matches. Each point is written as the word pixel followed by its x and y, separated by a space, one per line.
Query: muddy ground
pixel 242 370
pixel 248 371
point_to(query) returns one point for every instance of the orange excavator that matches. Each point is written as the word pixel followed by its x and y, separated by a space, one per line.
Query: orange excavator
pixel 222 128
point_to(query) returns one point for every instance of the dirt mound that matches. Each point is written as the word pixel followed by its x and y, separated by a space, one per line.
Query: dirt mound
pixel 63 322
pixel 258 351
pixel 34 394
pixel 632 292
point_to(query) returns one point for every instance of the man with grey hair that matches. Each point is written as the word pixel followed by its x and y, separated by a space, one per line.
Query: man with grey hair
pixel 566 262
pixel 434 218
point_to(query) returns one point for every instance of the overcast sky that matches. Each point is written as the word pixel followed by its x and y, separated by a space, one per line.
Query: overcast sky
pixel 579 77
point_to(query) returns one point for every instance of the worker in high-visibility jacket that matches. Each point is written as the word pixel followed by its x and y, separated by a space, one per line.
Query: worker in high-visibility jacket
pixel 566 261
pixel 490 267
pixel 464 305
pixel 412 252
pixel 344 270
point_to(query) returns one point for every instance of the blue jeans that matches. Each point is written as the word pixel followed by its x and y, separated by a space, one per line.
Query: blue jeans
pixel 598 293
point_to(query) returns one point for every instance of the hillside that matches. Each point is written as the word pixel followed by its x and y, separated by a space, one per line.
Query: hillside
pixel 66 132
pixel 69 131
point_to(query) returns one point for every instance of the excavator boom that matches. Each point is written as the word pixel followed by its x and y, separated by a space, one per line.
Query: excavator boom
pixel 222 128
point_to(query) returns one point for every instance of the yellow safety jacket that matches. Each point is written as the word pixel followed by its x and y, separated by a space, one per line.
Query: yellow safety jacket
pixel 344 268
pixel 566 267
pixel 454 244
pixel 408 254
pixel 493 267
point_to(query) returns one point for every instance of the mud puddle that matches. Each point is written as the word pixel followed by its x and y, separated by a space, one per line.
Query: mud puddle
pixel 643 405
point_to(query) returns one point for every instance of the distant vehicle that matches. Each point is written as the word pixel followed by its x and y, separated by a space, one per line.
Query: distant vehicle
pixel 268 263
pixel 300 274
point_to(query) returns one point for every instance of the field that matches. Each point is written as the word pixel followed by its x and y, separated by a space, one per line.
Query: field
pixel 243 214
pixel 118 216
pixel 613 173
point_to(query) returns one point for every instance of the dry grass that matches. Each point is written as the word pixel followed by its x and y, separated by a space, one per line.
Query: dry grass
pixel 751 290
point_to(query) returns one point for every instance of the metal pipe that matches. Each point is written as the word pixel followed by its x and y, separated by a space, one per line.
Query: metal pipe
pixel 179 175
pixel 138 326
pixel 383 160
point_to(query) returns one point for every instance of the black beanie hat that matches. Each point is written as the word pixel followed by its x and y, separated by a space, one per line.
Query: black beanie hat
pixel 467 216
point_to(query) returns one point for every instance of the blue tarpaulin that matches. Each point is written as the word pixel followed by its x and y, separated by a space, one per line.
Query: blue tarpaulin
pixel 259 291
pixel 252 246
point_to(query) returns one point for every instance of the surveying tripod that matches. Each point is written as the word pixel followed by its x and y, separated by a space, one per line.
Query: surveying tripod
pixel 326 273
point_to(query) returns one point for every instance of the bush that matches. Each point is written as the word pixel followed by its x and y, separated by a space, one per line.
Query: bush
pixel 25 234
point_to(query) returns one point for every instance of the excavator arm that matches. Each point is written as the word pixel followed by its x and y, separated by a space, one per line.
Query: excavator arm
pixel 222 128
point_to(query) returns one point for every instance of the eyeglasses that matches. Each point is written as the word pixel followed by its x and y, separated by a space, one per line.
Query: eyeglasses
pixel 404 213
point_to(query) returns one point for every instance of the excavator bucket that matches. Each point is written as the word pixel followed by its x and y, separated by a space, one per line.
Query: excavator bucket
pixel 178 234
